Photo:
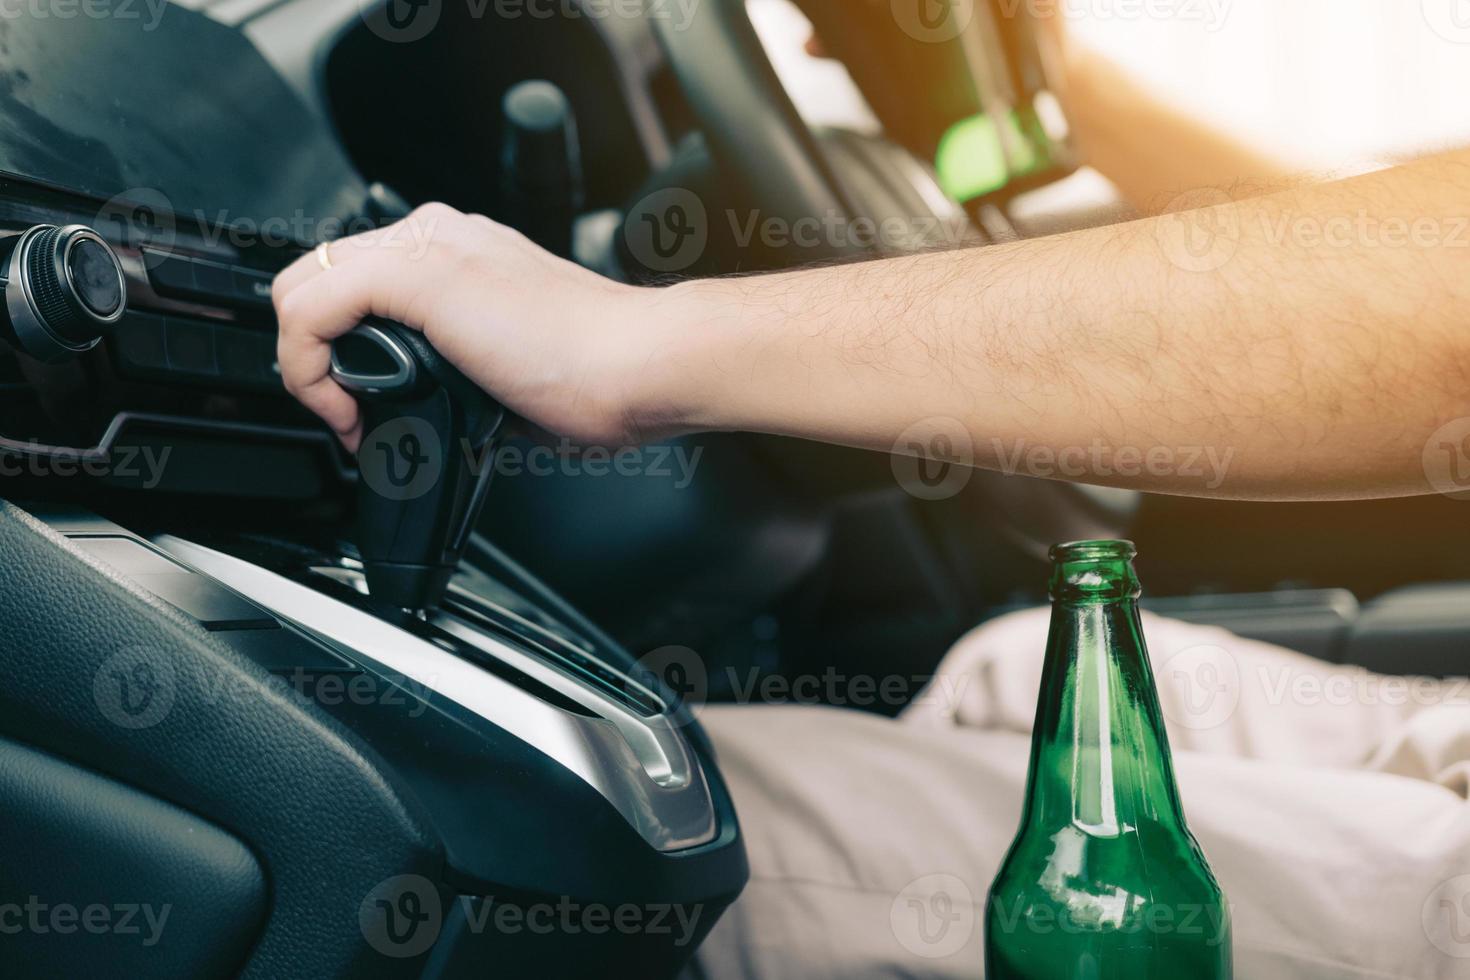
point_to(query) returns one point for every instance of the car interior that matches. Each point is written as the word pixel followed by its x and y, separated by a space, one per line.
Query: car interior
pixel 301 706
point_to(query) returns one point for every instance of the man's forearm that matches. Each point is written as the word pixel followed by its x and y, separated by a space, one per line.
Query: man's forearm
pixel 1317 339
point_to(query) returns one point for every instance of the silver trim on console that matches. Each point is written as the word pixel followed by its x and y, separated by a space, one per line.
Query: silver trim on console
pixel 115 428
pixel 642 766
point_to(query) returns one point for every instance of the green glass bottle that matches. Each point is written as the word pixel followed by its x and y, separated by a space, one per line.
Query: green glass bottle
pixel 1104 880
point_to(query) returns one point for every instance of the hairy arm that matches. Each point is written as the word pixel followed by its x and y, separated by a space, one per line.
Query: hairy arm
pixel 1314 339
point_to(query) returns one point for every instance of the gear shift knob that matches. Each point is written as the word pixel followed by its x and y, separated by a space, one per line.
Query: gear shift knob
pixel 425 461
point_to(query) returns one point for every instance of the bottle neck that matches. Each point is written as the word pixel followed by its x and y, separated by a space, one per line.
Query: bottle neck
pixel 1099 757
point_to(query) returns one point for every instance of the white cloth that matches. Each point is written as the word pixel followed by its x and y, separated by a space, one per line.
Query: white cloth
pixel 1331 804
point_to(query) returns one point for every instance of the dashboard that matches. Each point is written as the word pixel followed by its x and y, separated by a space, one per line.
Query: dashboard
pixel 205 173
pixel 182 107
pixel 208 143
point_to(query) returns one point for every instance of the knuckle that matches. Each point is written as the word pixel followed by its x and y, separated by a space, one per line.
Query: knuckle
pixel 432 209
pixel 487 229
pixel 435 218
pixel 289 308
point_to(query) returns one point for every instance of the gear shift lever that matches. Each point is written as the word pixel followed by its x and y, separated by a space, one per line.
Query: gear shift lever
pixel 425 462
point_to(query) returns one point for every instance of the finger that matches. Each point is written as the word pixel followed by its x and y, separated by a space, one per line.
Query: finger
pixel 305 369
pixel 325 307
pixel 293 275
pixel 410 234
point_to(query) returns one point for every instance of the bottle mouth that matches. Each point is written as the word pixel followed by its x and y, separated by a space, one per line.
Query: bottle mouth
pixel 1093 571
pixel 1102 550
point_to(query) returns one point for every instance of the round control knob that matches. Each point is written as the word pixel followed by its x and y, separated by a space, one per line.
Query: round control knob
pixel 64 287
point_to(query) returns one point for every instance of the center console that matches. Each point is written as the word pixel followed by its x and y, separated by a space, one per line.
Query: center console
pixel 561 788
pixel 544 806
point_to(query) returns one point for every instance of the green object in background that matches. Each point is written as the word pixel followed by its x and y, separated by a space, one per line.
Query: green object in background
pixel 1104 880
pixel 971 162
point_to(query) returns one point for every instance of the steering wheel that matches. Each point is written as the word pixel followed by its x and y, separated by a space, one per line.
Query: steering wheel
pixel 750 126
pixel 765 149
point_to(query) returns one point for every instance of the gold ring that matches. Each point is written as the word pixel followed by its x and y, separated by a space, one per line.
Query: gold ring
pixel 323 259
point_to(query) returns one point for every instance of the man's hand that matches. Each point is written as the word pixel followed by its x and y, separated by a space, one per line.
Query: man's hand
pixel 555 343
pixel 1317 341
